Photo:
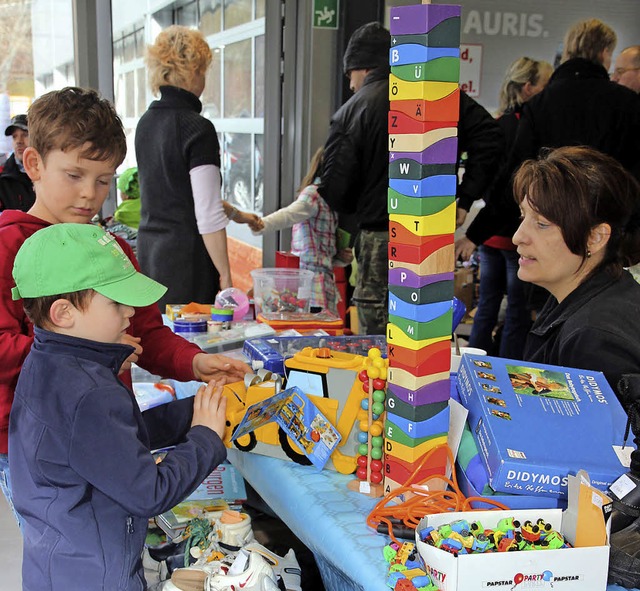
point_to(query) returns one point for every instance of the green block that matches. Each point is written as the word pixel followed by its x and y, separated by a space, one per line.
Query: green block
pixel 442 69
pixel 445 34
pixel 418 413
pixel 439 291
pixel 418 331
pixel 420 206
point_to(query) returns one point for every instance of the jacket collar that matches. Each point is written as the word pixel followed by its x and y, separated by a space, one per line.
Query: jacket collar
pixel 579 68
pixel 376 75
pixel 109 355
pixel 554 314
pixel 172 96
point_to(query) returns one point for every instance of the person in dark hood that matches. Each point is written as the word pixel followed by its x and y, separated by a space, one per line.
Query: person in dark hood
pixel 16 188
pixel 355 172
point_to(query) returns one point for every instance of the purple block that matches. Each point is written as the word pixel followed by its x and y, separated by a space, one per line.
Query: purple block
pixel 443 152
pixel 435 392
pixel 407 278
pixel 421 18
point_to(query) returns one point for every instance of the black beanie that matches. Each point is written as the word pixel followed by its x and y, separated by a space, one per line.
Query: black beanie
pixel 368 48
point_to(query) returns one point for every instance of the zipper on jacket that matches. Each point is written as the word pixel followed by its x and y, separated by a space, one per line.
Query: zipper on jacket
pixel 130 528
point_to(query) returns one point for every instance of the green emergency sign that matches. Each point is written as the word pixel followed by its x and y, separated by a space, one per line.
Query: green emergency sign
pixel 325 14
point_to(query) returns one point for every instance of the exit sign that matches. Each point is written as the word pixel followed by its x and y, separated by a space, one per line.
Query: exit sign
pixel 325 14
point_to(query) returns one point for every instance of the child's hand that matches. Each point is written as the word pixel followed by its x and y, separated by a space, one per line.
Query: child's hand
pixel 213 366
pixel 134 342
pixel 210 407
pixel 255 223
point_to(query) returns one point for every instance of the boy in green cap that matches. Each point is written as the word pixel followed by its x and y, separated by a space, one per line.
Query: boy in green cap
pixel 128 212
pixel 84 480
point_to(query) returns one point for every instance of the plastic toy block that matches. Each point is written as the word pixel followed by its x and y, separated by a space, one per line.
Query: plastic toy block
pixel 391 485
pixel 410 381
pixel 443 152
pixel 437 391
pixel 403 205
pixel 441 261
pixel 416 253
pixel 431 186
pixel 399 470
pixel 396 336
pixel 412 454
pixel 438 360
pixel 421 18
pixel 442 222
pixel 398 435
pixel 419 412
pixel 438 291
pixel 418 142
pixel 405 278
pixel 404 585
pixel 415 54
pixel 431 427
pixel 444 34
pixel 420 329
pixel 445 107
pixel 406 168
pixel 411 315
pixel 443 69
pixel 401 90
pixel 399 122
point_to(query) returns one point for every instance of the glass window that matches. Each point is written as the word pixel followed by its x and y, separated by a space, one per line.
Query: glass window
pixel 141 88
pixel 237 79
pixel 211 100
pixel 237 12
pixel 210 17
pixel 129 87
pixel 129 48
pixel 187 14
pixel 239 154
pixel 259 8
pixel 259 77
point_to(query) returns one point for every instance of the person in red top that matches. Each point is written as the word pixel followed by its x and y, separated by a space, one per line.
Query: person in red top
pixel 76 144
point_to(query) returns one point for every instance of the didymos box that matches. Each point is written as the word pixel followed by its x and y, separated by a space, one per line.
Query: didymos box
pixel 536 424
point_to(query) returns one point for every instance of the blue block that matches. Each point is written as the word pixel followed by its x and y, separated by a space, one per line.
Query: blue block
pixel 418 312
pixel 412 53
pixel 432 186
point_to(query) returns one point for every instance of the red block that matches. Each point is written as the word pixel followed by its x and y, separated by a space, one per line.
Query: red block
pixel 416 253
pixel 399 470
pixel 287 260
pixel 400 122
pixel 445 109
pixel 431 359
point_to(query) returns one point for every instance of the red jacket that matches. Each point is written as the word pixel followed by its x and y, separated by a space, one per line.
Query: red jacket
pixel 164 353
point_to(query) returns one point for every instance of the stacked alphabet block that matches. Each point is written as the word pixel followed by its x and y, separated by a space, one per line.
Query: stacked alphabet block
pixel 423 146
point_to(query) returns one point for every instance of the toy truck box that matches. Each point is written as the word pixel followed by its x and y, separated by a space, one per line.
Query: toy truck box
pixel 535 424
pixel 569 569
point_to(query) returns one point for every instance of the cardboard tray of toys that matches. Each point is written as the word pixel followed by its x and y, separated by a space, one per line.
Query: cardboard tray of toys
pixel 569 569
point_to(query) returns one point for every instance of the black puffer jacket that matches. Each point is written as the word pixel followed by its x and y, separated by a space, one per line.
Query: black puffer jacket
pixel 355 174
pixel 581 106
pixel 16 188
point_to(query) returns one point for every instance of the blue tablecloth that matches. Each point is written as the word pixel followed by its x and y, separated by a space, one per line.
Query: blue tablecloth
pixel 327 517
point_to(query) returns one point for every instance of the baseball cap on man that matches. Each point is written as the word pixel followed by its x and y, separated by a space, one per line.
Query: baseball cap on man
pixel 17 122
pixel 65 258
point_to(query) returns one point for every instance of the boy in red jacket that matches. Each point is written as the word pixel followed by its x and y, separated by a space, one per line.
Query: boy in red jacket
pixel 76 144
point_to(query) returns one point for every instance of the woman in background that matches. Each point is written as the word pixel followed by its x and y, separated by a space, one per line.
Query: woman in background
pixel 182 241
pixel 498 258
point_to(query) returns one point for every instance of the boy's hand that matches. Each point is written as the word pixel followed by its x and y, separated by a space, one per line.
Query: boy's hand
pixel 210 407
pixel 209 366
pixel 464 248
pixel 134 342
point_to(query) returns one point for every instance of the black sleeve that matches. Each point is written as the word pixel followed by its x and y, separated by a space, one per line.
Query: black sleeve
pixel 480 136
pixel 168 424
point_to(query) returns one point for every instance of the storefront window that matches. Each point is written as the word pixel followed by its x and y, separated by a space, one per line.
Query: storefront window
pixel 237 12
pixel 237 79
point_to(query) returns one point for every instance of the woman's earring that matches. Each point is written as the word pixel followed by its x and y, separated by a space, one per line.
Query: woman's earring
pixel 588 254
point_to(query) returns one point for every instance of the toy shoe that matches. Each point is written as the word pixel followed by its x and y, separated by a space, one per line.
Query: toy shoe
pixel 231 530
pixel 249 572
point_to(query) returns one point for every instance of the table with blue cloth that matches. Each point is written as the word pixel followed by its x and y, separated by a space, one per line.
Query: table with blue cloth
pixel 328 518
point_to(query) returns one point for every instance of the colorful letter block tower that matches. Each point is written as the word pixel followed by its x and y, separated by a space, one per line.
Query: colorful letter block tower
pixel 423 146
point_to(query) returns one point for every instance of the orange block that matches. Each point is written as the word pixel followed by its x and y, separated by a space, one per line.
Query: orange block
pixel 432 359
pixel 417 252
pixel 399 470
pixel 445 109
pixel 400 122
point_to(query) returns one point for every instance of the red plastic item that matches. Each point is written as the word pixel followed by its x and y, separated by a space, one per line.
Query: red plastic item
pixel 287 260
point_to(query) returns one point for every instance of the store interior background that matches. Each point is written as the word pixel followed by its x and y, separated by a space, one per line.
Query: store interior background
pixel 273 85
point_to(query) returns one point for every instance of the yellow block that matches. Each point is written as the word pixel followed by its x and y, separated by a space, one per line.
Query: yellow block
pixel 396 336
pixel 417 142
pixel 403 378
pixel 441 261
pixel 412 454
pixel 441 222
pixel 401 90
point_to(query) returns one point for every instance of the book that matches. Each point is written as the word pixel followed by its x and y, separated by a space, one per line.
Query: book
pixel 224 488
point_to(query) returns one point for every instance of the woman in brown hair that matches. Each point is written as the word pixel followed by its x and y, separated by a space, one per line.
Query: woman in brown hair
pixel 580 228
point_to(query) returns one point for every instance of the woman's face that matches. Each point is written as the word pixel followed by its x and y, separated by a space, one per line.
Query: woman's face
pixel 545 259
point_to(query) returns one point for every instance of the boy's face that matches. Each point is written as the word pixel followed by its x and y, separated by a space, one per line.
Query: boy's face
pixel 69 188
pixel 103 320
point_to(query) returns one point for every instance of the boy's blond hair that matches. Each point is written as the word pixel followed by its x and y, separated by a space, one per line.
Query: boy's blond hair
pixel 588 39
pixel 176 57
pixel 77 118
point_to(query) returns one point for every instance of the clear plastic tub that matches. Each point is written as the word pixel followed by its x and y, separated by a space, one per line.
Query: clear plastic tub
pixel 282 290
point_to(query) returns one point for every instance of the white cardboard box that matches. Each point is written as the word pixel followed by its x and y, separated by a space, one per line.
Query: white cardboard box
pixel 567 569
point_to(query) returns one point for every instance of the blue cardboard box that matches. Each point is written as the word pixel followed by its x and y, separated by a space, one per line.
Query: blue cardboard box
pixel 534 424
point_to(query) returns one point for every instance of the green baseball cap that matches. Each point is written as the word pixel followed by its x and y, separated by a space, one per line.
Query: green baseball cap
pixel 65 258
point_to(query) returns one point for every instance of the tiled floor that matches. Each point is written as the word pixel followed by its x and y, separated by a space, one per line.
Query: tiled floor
pixel 10 549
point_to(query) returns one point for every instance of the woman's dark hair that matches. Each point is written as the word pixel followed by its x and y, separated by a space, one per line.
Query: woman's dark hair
pixel 578 188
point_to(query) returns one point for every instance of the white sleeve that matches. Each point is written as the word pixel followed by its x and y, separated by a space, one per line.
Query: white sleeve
pixel 294 213
pixel 205 185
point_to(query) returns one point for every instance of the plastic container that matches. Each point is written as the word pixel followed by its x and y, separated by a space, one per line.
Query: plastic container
pixel 282 290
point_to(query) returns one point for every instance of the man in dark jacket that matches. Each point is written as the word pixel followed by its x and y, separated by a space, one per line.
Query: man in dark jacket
pixel 355 171
pixel 16 188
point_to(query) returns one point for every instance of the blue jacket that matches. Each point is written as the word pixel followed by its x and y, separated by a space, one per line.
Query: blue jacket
pixel 82 476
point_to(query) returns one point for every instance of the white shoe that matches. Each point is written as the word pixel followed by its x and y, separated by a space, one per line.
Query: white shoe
pixel 232 530
pixel 286 567
pixel 250 572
